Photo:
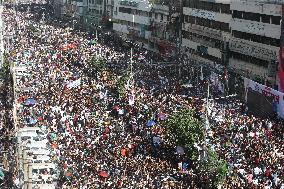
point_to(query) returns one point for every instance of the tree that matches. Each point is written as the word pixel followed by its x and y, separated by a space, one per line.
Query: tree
pixel 121 83
pixel 98 63
pixel 215 168
pixel 185 130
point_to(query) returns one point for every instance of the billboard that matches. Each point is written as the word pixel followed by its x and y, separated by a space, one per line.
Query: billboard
pixel 281 56
pixel 264 98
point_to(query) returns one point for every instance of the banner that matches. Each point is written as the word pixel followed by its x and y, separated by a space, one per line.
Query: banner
pixel 278 97
pixel 74 84
pixel 281 57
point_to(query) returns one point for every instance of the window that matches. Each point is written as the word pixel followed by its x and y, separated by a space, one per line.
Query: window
pixel 191 19
pixel 192 3
pixel 216 25
pixel 276 20
pixel 256 38
pixel 199 21
pixel 125 10
pixel 162 16
pixel 224 27
pixel 208 6
pixel 206 23
pixel 99 2
pixel 237 14
pixel 186 3
pixel 265 18
pixel 216 7
pixel 156 16
pixel 250 59
pixel 225 8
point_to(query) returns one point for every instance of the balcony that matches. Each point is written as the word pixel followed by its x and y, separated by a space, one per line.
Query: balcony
pixel 263 29
pixel 254 49
pixel 220 17
pixel 204 31
pixel 256 7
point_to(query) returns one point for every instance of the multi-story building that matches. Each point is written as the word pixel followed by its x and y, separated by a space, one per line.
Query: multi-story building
pixel 95 10
pixel 242 35
pixel 255 41
pixel 70 8
pixel 59 7
pixel 162 39
pixel 131 20
pixel 80 9
pixel 205 29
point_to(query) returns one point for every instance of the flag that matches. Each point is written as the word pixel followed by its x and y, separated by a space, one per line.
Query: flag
pixel 131 98
pixel 281 74
pixel 201 75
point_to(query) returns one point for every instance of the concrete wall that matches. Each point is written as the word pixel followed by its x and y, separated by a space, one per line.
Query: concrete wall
pixel 263 29
pixel 256 7
pixel 193 45
pixel 207 14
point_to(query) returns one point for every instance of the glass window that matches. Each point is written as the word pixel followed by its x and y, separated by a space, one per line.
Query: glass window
pixel 224 26
pixel 237 14
pixel 265 18
pixel 191 19
pixel 225 8
pixel 276 20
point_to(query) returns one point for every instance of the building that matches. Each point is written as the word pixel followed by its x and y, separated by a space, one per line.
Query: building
pixel 163 38
pixel 131 20
pixel 59 7
pixel 80 9
pixel 255 40
pixel 205 30
pixel 243 36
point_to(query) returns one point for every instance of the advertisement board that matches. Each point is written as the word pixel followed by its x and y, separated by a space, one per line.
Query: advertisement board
pixel 277 96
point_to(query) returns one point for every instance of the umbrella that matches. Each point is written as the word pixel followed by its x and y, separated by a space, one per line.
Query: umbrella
pixel 53 145
pixel 32 121
pixel 180 150
pixel 116 107
pixel 93 42
pixel 162 116
pixel 68 174
pixel 2 175
pixel 104 174
pixel 53 136
pixel 151 123
pixel 30 101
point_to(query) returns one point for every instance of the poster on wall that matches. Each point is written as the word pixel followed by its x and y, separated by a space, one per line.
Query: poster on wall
pixel 277 96
pixel 281 57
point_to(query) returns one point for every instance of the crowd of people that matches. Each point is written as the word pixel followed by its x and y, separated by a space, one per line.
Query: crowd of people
pixel 100 139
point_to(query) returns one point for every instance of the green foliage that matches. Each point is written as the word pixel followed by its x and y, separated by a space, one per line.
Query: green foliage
pixel 98 63
pixel 5 71
pixel 184 130
pixel 121 82
pixel 31 28
pixel 215 167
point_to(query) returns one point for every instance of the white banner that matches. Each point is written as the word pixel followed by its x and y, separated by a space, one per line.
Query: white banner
pixel 74 84
pixel 277 96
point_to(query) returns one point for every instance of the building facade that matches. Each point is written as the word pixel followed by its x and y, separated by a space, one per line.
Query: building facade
pixel 162 38
pixel 255 40
pixel 205 30
pixel 59 7
pixel 131 20
pixel 243 36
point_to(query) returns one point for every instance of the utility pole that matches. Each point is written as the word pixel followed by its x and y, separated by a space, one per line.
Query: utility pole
pixel 225 62
pixel 1 36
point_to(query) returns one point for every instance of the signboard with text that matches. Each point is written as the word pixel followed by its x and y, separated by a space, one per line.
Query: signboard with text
pixel 277 96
